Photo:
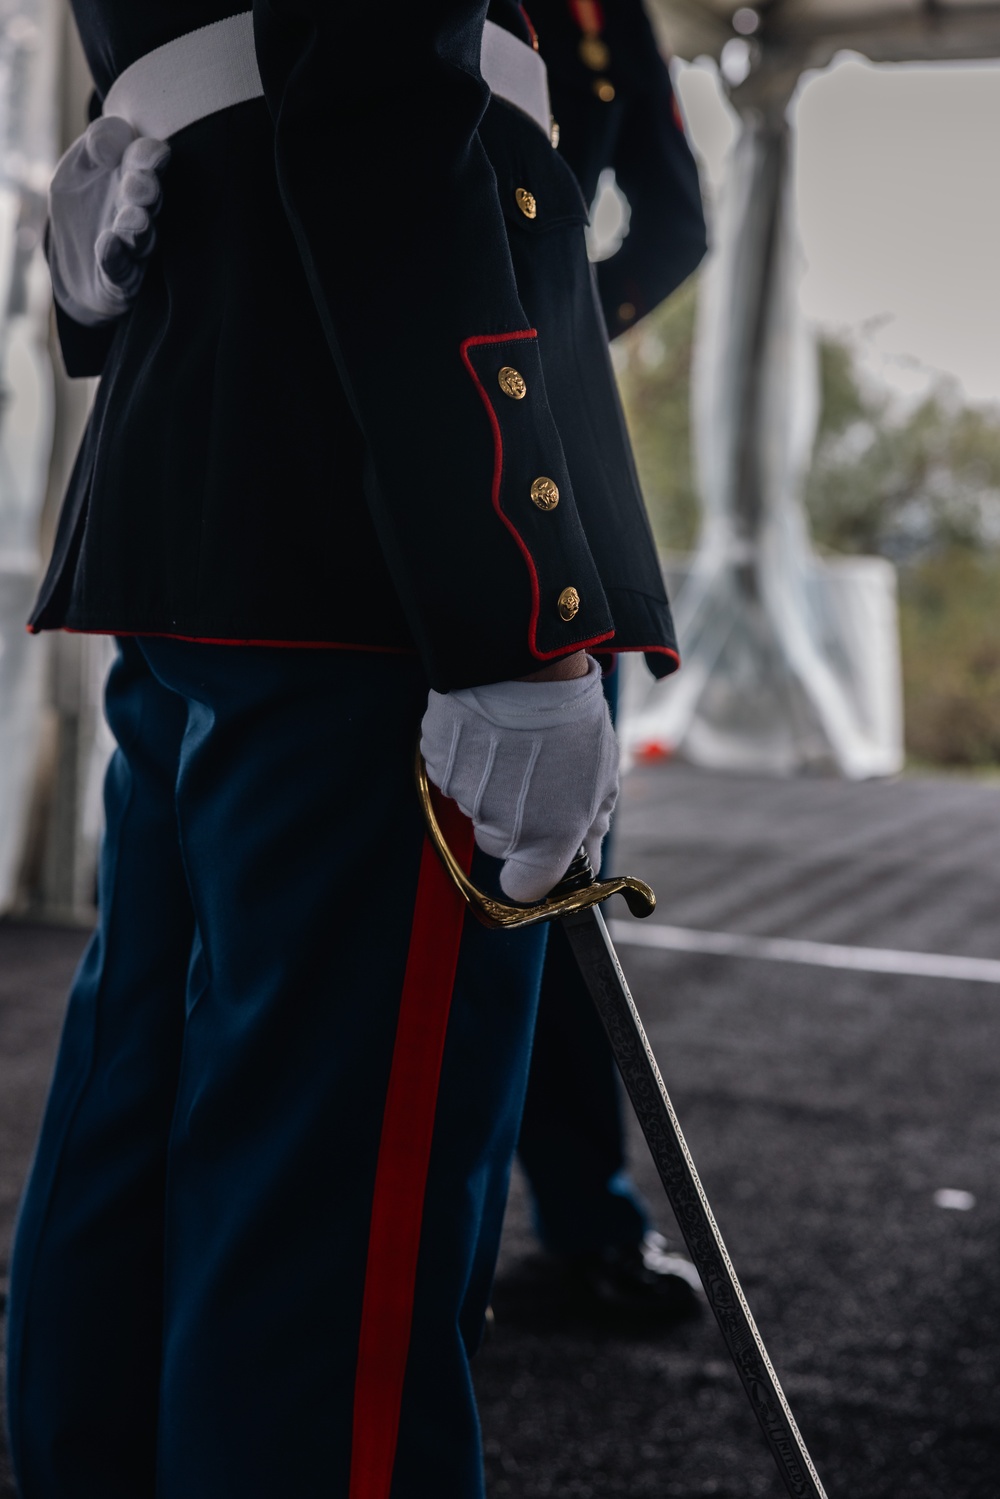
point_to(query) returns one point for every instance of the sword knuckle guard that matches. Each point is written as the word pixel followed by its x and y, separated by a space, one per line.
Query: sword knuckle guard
pixel 577 891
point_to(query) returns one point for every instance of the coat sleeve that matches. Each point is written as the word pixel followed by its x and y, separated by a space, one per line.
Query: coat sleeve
pixel 394 206
pixel 656 170
pixel 84 350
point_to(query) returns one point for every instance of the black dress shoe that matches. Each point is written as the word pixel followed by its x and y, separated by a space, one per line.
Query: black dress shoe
pixel 644 1282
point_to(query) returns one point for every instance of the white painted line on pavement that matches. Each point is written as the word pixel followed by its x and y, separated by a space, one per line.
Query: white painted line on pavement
pixel 929 965
pixel 954 1197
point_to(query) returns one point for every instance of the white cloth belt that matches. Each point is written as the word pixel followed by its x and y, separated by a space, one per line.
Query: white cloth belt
pixel 215 67
pixel 186 79
pixel 515 72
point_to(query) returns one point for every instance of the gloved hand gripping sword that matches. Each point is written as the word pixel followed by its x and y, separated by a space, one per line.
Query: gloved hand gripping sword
pixel 575 903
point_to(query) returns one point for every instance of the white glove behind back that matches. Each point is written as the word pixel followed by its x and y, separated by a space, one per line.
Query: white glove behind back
pixel 534 765
pixel 103 198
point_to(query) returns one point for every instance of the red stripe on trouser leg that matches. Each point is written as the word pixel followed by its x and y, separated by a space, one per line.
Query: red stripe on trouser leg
pixel 403 1161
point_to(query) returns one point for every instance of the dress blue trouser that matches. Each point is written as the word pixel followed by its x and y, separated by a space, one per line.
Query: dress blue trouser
pixel 572 1142
pixel 196 1240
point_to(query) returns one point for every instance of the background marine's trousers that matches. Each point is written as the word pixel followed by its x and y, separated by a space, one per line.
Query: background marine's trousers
pixel 256 1247
pixel 572 1144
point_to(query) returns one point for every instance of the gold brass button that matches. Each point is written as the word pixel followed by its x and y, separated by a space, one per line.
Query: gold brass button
pixel 526 202
pixel 626 312
pixel 594 53
pixel 569 605
pixel 512 384
pixel 553 131
pixel 604 90
pixel 545 493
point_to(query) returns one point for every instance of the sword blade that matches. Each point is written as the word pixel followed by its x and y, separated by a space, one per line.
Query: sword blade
pixel 602 973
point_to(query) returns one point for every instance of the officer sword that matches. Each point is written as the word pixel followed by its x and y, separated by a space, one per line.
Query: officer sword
pixel 576 904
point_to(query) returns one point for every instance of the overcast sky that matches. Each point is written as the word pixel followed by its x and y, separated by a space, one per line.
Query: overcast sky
pixel 899 203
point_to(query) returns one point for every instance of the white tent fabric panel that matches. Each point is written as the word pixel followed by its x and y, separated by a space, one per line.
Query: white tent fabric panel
pixel 30 31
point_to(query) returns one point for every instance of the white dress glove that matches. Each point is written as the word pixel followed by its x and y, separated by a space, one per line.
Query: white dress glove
pixel 534 765
pixel 103 199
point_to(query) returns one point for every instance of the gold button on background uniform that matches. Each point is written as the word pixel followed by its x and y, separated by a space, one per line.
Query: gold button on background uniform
pixel 569 605
pixel 545 493
pixel 604 90
pixel 594 52
pixel 512 383
pixel 526 202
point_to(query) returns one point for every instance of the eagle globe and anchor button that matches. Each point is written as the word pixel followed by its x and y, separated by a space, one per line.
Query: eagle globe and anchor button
pixel 512 383
pixel 545 493
pixel 526 202
pixel 569 605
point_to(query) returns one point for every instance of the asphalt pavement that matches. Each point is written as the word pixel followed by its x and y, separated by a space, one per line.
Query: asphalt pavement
pixel 827 1109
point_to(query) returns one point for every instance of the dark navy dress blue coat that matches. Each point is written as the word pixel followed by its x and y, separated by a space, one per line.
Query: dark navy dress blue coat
pixel 299 436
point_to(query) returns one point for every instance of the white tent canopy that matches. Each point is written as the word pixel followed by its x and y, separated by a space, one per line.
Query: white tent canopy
pixel 800 34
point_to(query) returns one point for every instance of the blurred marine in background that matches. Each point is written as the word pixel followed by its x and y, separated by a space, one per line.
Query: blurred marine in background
pixel 615 108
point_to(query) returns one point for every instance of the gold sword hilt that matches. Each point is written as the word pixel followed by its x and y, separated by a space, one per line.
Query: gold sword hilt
pixel 577 890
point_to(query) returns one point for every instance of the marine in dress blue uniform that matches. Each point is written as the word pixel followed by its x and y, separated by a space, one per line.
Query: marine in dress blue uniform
pixel 613 98
pixel 255 1250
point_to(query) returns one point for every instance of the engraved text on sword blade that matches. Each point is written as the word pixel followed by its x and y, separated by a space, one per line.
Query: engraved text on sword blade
pixel 602 972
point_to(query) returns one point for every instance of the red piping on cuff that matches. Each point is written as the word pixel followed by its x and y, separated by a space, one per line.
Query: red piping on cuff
pixel 646 650
pixel 501 338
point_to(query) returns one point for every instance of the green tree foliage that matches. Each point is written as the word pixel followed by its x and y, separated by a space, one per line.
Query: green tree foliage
pixel 905 485
pixel 654 369
pixel 950 627
pixel 922 487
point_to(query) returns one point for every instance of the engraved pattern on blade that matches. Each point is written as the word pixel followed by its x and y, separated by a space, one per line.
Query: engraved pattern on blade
pixel 643 1081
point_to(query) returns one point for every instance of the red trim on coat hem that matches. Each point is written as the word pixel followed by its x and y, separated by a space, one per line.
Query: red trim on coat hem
pixel 336 645
pixel 404 1160
pixel 283 645
pixel 580 645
